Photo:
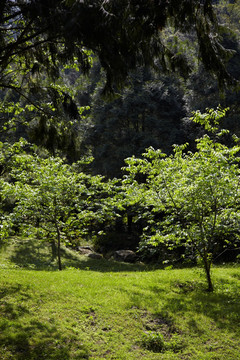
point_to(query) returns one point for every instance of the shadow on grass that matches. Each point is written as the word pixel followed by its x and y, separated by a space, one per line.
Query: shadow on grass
pixel 222 306
pixel 31 254
pixel 36 255
pixel 24 337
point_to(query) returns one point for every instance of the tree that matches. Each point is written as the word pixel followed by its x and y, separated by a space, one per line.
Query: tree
pixel 196 193
pixel 36 34
pixel 38 40
pixel 146 113
pixel 54 200
pixel 201 90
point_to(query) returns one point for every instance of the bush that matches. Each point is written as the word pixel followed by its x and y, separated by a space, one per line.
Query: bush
pixel 153 341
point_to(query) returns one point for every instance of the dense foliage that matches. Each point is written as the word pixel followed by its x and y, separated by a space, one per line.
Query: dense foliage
pixel 172 204
pixel 124 34
pixel 188 200
pixel 197 195
pixel 54 200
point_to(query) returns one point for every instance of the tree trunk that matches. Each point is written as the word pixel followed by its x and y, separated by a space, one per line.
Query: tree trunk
pixel 207 266
pixel 58 248
pixel 58 235
pixel 54 249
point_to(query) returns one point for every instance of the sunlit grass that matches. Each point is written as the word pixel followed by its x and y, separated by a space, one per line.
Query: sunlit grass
pixel 105 310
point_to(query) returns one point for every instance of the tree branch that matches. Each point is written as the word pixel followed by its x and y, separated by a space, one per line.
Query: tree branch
pixel 12 87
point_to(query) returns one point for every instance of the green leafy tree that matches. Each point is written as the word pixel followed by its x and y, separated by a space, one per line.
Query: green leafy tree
pixel 38 39
pixel 36 34
pixel 55 200
pixel 197 194
pixel 8 154
pixel 49 116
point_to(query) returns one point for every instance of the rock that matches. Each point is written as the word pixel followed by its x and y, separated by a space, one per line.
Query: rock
pixel 125 255
pixel 95 256
pixel 85 250
pixel 89 252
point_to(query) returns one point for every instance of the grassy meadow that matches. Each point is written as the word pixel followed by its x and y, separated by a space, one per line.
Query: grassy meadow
pixel 99 309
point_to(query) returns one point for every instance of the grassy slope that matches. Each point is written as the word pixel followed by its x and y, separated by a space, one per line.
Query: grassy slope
pixel 104 310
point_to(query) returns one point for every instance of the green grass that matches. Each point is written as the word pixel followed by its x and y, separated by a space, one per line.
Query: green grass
pixel 106 310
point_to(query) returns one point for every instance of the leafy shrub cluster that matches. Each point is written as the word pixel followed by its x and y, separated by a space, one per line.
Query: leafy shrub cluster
pixel 154 341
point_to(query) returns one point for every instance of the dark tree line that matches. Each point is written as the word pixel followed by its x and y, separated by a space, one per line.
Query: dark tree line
pixel 139 43
pixel 123 34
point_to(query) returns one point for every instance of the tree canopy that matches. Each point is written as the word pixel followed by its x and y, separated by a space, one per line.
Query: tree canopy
pixel 185 201
pixel 122 33
pixel 195 194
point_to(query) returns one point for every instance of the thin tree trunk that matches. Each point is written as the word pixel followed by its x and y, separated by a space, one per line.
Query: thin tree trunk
pixel 54 249
pixel 207 266
pixel 58 247
pixel 58 236
pixel 209 280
